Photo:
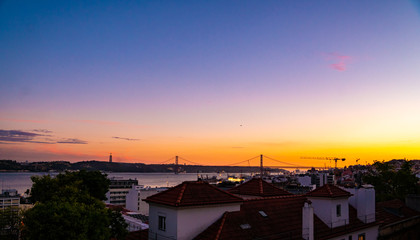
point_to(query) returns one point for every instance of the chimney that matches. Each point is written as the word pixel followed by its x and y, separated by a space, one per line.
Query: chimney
pixel 307 221
pixel 364 202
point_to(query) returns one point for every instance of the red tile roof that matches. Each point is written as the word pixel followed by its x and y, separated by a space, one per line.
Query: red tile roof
pixel 282 220
pixel 258 187
pixel 329 191
pixel 138 235
pixel 393 211
pixel 192 193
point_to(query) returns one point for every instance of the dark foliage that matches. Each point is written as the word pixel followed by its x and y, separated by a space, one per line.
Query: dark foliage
pixel 69 206
pixel 391 183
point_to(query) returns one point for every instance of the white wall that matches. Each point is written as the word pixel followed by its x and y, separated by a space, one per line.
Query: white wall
pixel 171 222
pixel 363 200
pixel 192 221
pixel 132 200
pixel 145 193
pixel 307 222
pixel 184 223
pixel 325 209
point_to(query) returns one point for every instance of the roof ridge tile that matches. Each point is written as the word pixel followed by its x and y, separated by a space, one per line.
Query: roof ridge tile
pixel 181 194
pixel 221 226
pixel 329 191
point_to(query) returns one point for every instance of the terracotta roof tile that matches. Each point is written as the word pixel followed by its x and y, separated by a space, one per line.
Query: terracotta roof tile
pixel 393 211
pixel 329 191
pixel 258 187
pixel 193 193
pixel 281 219
pixel 138 235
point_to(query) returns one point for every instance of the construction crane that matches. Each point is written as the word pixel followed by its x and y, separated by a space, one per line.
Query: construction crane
pixel 326 158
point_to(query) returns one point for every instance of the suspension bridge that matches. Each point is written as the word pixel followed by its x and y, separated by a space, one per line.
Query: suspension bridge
pixel 178 160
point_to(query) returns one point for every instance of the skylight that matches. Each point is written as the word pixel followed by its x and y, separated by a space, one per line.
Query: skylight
pixel 245 226
pixel 263 213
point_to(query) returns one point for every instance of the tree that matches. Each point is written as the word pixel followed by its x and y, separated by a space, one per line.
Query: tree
pixel 390 183
pixel 118 225
pixel 10 218
pixel 45 187
pixel 67 220
pixel 69 206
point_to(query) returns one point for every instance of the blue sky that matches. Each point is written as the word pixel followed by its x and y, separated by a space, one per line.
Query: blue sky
pixel 301 72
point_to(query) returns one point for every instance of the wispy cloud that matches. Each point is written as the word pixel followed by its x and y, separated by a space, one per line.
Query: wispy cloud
pixel 127 139
pixel 42 131
pixel 339 61
pixel 72 141
pixel 98 122
pixel 46 152
pixel 34 136
pixel 17 136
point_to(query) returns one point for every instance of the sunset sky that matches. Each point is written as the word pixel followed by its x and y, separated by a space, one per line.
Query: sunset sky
pixel 215 82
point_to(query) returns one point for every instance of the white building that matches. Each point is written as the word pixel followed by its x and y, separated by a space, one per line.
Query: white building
pixel 9 198
pixel 324 178
pixel 184 211
pixel 118 190
pixel 305 180
pixel 136 194
pixel 196 210
pixel 333 206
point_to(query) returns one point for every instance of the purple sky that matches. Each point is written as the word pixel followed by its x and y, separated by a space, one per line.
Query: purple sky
pixel 209 80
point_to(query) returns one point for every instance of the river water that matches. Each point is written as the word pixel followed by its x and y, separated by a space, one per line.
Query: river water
pixel 21 181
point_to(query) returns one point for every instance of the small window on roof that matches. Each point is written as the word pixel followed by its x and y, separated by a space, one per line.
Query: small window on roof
pixel 245 226
pixel 263 213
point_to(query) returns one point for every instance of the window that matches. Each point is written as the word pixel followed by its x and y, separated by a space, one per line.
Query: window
pixel 262 213
pixel 339 210
pixel 245 226
pixel 361 237
pixel 162 223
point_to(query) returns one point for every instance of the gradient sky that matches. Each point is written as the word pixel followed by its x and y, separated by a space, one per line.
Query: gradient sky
pixel 215 82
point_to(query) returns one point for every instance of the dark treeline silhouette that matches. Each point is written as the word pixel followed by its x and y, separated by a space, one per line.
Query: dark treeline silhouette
pixel 59 166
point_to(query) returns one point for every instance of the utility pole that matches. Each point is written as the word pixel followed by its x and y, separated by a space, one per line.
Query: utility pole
pixel 261 166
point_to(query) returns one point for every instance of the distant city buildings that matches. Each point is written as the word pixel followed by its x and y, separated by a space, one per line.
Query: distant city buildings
pixel 118 190
pixel 136 194
pixel 9 198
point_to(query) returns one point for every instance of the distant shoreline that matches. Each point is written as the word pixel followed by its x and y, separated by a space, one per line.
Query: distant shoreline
pixel 61 166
